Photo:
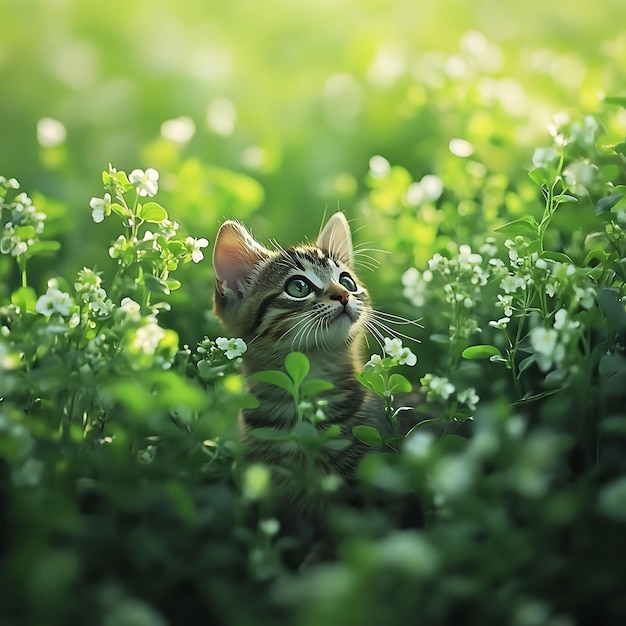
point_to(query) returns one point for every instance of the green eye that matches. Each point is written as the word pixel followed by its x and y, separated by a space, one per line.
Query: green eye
pixel 298 288
pixel 346 280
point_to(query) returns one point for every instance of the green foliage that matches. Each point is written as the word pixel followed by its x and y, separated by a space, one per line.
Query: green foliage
pixel 126 496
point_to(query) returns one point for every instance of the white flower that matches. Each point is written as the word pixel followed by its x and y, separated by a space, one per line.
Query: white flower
pixel 379 166
pixel 506 302
pixel 544 157
pixel 232 348
pixel 54 301
pixel 100 207
pixel 416 285
pixel 586 297
pixel 544 343
pixel 436 387
pixel 500 324
pixel 129 310
pixel 468 397
pixel 512 283
pixel 375 359
pixel 197 245
pixel 563 324
pixel 580 176
pixel 147 338
pixel 395 349
pixel 146 183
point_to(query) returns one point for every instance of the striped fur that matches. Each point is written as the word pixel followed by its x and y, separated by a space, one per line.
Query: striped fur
pixel 259 297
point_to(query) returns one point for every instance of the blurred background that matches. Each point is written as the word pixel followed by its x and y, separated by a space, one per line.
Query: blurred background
pixel 271 112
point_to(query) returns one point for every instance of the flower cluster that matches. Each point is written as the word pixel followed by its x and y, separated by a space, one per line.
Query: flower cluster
pixel 25 223
pixel 232 348
pixel 440 389
pixel 55 301
pixel 145 183
pixel 397 354
pixel 92 295
pixel 551 344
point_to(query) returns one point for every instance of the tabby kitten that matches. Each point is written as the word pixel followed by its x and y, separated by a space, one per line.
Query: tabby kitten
pixel 305 298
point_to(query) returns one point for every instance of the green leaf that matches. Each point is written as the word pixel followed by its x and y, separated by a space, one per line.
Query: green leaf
pixel 25 298
pixel 597 255
pixel 612 369
pixel 173 284
pixel 439 338
pixel 314 386
pixel 337 444
pixel 618 100
pixel 297 366
pixel 612 500
pixel 156 284
pixel 484 351
pixel 526 363
pixel 564 199
pixel 276 378
pixel 304 431
pixel 399 384
pixel 270 434
pixel 612 308
pixel 526 225
pixel 117 180
pixel 372 380
pixel 152 212
pixel 43 248
pixel 560 257
pixel 120 210
pixel 604 205
pixel 539 176
pixel 368 435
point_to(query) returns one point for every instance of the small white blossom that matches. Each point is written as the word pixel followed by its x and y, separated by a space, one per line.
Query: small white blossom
pixel 436 387
pixel 512 283
pixel 395 349
pixel 375 359
pixel 100 207
pixel 545 344
pixel 506 302
pixel 54 301
pixel 232 348
pixel 468 397
pixel 563 324
pixel 416 285
pixel 146 183
pixel 197 244
pixel 129 310
pixel 500 324
pixel 147 337
pixel 545 157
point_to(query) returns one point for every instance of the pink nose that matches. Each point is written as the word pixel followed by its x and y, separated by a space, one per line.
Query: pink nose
pixel 337 292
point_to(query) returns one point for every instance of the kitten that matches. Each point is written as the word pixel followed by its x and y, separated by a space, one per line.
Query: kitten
pixel 304 298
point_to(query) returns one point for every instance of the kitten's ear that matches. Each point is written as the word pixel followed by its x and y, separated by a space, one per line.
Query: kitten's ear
pixel 336 238
pixel 235 255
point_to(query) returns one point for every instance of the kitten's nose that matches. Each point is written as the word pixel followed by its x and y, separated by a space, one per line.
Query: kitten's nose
pixel 338 292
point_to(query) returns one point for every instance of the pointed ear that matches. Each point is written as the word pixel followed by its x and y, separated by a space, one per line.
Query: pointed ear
pixel 235 256
pixel 336 239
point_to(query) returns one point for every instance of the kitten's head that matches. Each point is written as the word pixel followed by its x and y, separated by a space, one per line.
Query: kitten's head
pixel 303 297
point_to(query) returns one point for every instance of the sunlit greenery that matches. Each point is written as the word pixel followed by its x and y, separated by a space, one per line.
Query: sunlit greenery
pixel 477 149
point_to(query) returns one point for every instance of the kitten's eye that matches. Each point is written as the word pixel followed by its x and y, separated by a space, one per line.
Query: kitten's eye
pixel 347 281
pixel 298 288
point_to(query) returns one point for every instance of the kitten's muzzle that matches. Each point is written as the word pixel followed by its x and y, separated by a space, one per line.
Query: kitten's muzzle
pixel 339 293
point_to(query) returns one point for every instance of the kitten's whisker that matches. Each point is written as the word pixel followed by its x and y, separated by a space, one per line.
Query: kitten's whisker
pixel 391 332
pixel 395 319
pixel 376 334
